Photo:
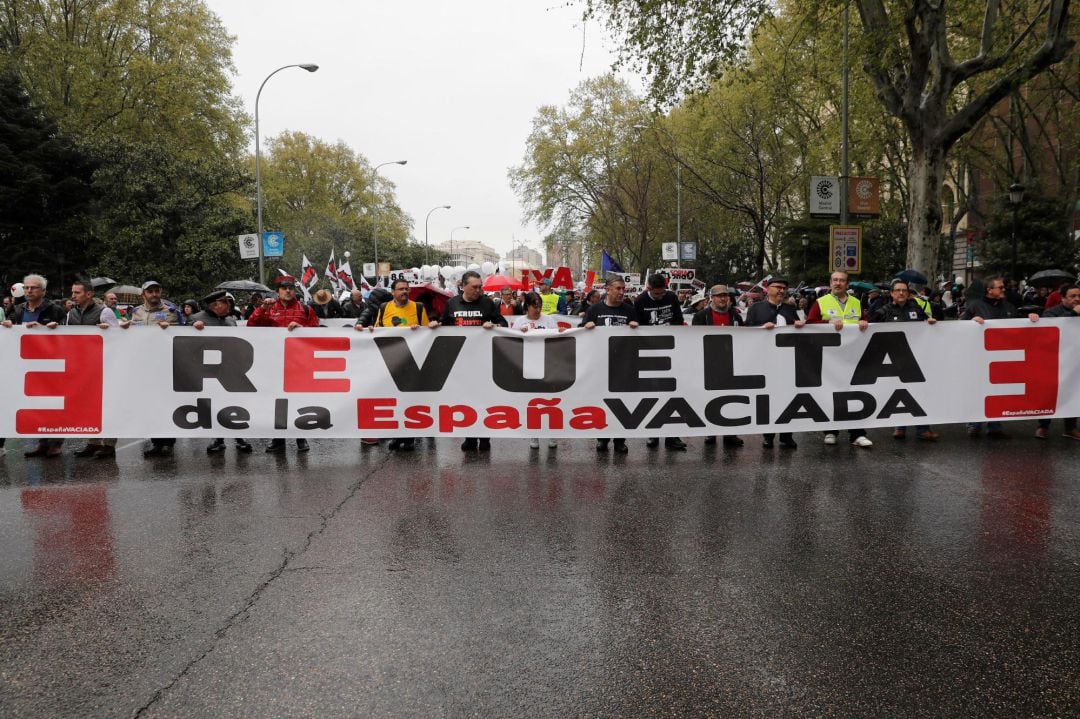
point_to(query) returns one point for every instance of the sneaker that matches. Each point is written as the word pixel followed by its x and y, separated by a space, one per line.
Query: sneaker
pixel 242 445
pixel 928 435
pixel 276 445
pixel 393 444
pixel 1072 434
pixel 674 443
pixel 369 442
pixel 534 443
pixel 158 450
pixel 709 441
pixel 862 442
pixel 407 445
pixel 469 445
pixel 766 442
pixel 653 442
pixel 1042 433
pixel 974 430
pixel 830 439
pixel 552 444
pixel 302 445
pixel 484 445
pixel 601 445
pixel 218 445
pixel 733 441
pixel 899 433
pixel 620 446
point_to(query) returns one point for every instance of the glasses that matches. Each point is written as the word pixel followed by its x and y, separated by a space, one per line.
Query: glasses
pixel 33 287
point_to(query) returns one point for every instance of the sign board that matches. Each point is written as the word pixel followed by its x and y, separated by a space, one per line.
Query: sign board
pixel 630 279
pixel 687 251
pixel 678 278
pixel 864 196
pixel 669 251
pixel 273 244
pixel 845 248
pixel 369 269
pixel 249 246
pixel 408 275
pixel 824 195
pixel 384 269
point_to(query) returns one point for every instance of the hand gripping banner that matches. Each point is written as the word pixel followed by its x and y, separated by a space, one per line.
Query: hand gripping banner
pixel 605 382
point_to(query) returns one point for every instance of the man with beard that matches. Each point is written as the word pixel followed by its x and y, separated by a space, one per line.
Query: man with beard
pixel 217 312
pixel 658 306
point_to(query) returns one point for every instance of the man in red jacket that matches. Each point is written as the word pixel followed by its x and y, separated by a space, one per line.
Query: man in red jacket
pixel 285 311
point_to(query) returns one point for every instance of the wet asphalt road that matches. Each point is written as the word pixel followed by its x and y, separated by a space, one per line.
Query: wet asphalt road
pixel 907 580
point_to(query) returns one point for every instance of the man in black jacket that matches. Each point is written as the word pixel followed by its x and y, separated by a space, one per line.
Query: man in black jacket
pixel 217 312
pixel 658 306
pixel 771 313
pixel 720 312
pixel 1069 307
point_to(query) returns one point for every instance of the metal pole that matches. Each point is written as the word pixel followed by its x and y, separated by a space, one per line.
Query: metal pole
pixel 310 67
pixel 375 209
pixel 678 202
pixel 845 167
pixel 427 258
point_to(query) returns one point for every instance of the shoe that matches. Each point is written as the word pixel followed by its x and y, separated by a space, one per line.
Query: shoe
pixel 1072 434
pixel 674 443
pixel 242 445
pixel 601 445
pixel 767 442
pixel 276 445
pixel 38 451
pixel 302 445
pixel 407 445
pixel 218 445
pixel 733 441
pixel 158 450
pixel 862 442
pixel 620 446
pixel 485 444
pixel 534 443
pixel 928 435
pixel 88 451
pixel 709 441
pixel 899 433
pixel 653 442
pixel 369 442
pixel 1042 433
pixel 973 430
pixel 830 439
pixel 393 444
pixel 105 451
pixel 788 444
pixel 469 445
pixel 552 444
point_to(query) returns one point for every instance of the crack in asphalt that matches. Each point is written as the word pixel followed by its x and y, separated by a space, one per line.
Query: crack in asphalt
pixel 242 614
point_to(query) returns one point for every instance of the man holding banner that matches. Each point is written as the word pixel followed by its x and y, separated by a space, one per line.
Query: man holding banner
pixel 613 311
pixel 770 314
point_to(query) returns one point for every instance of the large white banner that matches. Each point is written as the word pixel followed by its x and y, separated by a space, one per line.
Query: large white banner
pixel 606 382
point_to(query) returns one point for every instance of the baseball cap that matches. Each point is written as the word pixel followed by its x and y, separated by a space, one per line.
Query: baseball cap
pixel 150 283
pixel 777 280
pixel 721 290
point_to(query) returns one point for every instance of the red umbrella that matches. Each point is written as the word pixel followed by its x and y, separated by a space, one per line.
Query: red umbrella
pixel 497 282
pixel 434 297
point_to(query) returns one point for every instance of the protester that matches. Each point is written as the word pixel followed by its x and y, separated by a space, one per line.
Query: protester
pixel 840 308
pixel 113 303
pixel 554 304
pixel 770 313
pixel 254 302
pixel 354 306
pixel 288 312
pixel 325 306
pixel 1069 306
pixel 534 319
pixel 720 312
pixel 507 303
pixel 188 308
pixel 658 306
pixel 88 312
pixel 377 297
pixel 591 299
pixel 472 308
pixel 154 311
pixel 613 311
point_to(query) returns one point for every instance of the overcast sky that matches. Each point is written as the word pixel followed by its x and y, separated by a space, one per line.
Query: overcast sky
pixel 452 87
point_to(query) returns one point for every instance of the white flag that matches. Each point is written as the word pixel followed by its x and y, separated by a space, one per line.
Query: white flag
pixel 331 273
pixel 308 278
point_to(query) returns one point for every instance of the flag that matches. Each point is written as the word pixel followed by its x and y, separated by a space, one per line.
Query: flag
pixel 607 264
pixel 331 273
pixel 365 286
pixel 345 278
pixel 308 278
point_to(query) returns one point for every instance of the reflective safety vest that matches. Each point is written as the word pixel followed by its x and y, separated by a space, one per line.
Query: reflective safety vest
pixel 924 303
pixel 831 309
pixel 551 303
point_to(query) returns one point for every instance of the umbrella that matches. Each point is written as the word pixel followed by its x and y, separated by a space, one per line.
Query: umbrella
pixel 913 277
pixel 860 285
pixel 244 286
pixel 434 297
pixel 101 283
pixel 1050 278
pixel 744 285
pixel 497 282
pixel 127 290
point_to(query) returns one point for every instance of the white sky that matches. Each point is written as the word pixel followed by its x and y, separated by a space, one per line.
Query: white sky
pixel 452 87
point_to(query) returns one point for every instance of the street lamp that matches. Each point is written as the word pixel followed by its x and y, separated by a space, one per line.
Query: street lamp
pixel 427 259
pixel 310 67
pixel 375 208
pixel 805 243
pixel 1016 196
pixel 462 227
pixel 678 178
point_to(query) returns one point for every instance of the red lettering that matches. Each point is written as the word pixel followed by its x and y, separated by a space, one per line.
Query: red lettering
pixel 376 413
pixel 418 417
pixel 452 416
pixel 80 384
pixel 301 364
pixel 563 279
pixel 1038 371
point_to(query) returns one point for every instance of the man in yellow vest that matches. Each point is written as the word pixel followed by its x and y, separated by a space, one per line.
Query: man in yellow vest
pixel 839 308
pixel 554 304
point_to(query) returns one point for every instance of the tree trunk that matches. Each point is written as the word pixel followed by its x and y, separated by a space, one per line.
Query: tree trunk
pixel 926 173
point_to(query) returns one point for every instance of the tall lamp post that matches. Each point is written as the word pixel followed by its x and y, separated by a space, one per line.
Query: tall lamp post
pixel 1016 196
pixel 310 67
pixel 805 243
pixel 678 178
pixel 427 258
pixel 375 209
pixel 462 227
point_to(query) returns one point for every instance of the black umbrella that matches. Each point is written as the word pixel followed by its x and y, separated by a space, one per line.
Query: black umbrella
pixel 1050 278
pixel 912 277
pixel 243 286
pixel 99 283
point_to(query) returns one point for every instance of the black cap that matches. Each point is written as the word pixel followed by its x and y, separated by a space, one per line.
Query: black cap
pixel 214 297
pixel 777 280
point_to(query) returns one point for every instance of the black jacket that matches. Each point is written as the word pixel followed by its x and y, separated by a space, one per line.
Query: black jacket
pixel 375 300
pixel 705 317
pixel 50 312
pixel 910 311
pixel 990 310
pixel 209 319
pixel 1060 311
pixel 762 313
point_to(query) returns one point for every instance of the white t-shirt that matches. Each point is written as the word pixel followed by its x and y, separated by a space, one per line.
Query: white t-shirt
pixel 545 322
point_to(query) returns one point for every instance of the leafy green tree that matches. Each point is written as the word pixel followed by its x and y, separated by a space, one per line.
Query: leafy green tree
pixel 45 192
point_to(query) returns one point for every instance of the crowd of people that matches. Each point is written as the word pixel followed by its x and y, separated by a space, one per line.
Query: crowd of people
pixel 768 305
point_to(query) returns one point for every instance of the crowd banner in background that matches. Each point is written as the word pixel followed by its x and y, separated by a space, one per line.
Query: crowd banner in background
pixel 605 382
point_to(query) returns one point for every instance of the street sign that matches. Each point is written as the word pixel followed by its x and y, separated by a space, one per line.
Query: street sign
pixel 864 196
pixel 273 244
pixel 249 246
pixel 687 251
pixel 845 248
pixel 369 269
pixel 384 269
pixel 678 277
pixel 824 196
pixel 669 250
